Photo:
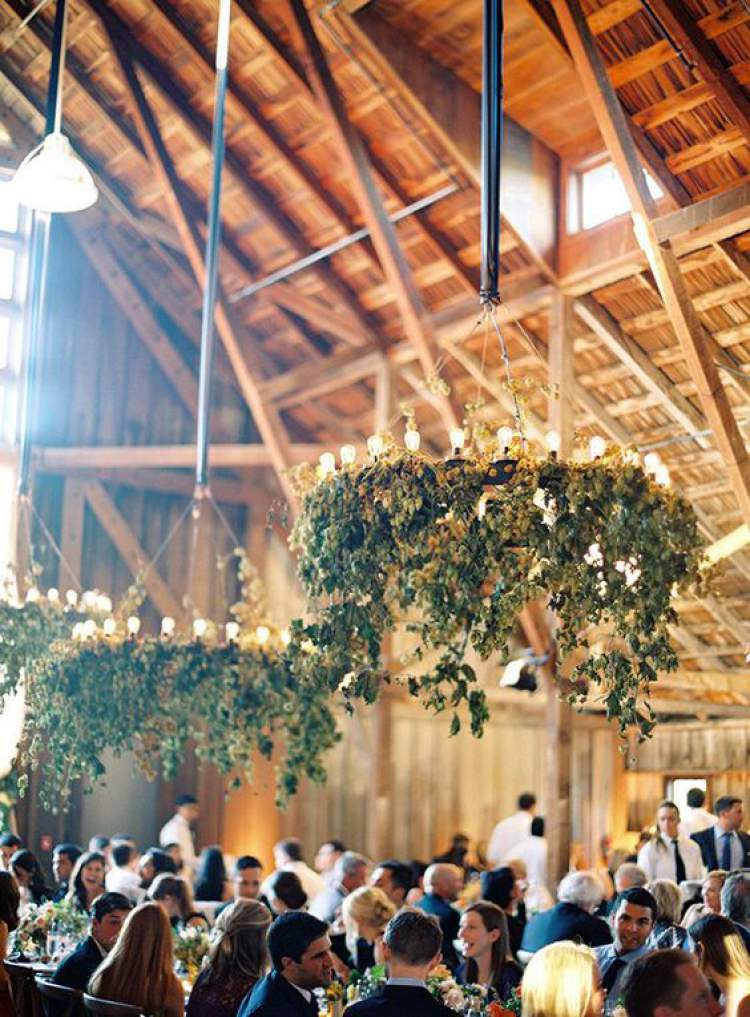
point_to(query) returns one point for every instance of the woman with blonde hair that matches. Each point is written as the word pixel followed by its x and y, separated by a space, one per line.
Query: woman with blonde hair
pixel 139 969
pixel 365 913
pixel 562 980
pixel 237 959
pixel 485 945
pixel 723 958
pixel 667 933
pixel 173 893
pixel 711 894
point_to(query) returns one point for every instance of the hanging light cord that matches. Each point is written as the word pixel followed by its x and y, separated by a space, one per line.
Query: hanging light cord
pixel 13 36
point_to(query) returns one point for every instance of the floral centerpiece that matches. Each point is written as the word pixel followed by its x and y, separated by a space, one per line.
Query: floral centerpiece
pixel 190 946
pixel 463 999
pixel 38 924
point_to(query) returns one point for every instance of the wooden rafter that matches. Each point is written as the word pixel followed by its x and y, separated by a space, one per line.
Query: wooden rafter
pixel 693 338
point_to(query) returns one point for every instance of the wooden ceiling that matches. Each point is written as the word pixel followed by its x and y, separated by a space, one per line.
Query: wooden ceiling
pixel 331 351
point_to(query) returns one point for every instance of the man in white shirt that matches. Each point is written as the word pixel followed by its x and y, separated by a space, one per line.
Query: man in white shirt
pixel 122 877
pixel 532 851
pixel 287 855
pixel 177 830
pixel 670 855
pixel 512 831
pixel 695 817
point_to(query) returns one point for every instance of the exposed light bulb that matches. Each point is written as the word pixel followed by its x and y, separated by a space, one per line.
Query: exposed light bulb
pixel 89 629
pixel 104 604
pixel 134 625
pixel 327 463
pixel 167 627
pixel 89 599
pixel 375 445
pixel 457 438
pixel 199 627
pixel 661 475
pixel 262 632
pixel 651 462
pixel 553 441
pixel 348 455
pixel 53 595
pixel 412 440
pixel 504 437
pixel 109 626
pixel 32 595
pixel 232 630
pixel 286 637
pixel 71 597
pixel 597 447
pixel 594 556
pixel 78 630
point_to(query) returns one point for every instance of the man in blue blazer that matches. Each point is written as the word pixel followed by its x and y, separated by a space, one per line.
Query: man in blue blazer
pixel 579 894
pixel 725 846
pixel 442 884
pixel 301 956
pixel 412 945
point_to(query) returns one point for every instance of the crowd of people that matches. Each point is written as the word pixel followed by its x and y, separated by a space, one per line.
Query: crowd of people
pixel 667 929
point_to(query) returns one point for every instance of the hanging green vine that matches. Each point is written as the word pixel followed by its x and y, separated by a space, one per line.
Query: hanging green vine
pixel 406 537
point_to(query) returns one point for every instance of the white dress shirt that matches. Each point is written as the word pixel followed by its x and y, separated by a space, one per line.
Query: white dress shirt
pixel 177 831
pixel 533 853
pixel 657 858
pixel 312 882
pixel 507 834
pixel 737 851
pixel 125 881
pixel 695 820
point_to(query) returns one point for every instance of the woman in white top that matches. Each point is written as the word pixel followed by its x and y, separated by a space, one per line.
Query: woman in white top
pixel 668 855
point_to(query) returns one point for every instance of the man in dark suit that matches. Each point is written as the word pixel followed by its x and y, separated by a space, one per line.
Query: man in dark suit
pixel 579 894
pixel 725 846
pixel 442 885
pixel 108 912
pixel 301 956
pixel 412 944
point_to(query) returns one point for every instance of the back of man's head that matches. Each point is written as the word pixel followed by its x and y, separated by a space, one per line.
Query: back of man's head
pixel 247 862
pixel 696 796
pixel 291 934
pixel 442 879
pixel 413 937
pixel 640 898
pixel 537 827
pixel 10 840
pixel 655 980
pixel 291 848
pixel 71 851
pixel 400 873
pixel 122 854
pixel 106 903
pixel 582 889
pixel 735 898
pixel 182 800
pixel 628 875
pixel 99 842
pixel 350 864
pixel 725 803
pixel 526 801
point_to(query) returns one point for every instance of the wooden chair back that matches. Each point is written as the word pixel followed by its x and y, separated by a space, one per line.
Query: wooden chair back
pixel 108 1008
pixel 60 1000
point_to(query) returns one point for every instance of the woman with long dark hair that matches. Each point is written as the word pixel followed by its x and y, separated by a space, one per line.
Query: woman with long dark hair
pixel 485 945
pixel 28 874
pixel 87 880
pixel 237 959
pixel 211 882
pixel 10 899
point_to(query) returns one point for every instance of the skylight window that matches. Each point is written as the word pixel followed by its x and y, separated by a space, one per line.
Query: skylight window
pixel 598 195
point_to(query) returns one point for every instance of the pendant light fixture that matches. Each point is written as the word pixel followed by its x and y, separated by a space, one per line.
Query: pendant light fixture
pixel 52 178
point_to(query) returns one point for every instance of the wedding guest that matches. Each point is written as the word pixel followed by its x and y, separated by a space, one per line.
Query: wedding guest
pixel 100 844
pixel 154 863
pixel 10 900
pixel 670 982
pixel 350 873
pixel 456 853
pixel 723 958
pixel 122 877
pixel 9 844
pixel 326 857
pixel 139 968
pixel 177 830
pixel 285 893
pixel 724 845
pixel 442 884
pixel 632 925
pixel 735 903
pixel 287 855
pixel 247 875
pixel 301 956
pixel 485 946
pixel 412 944
pixel 365 913
pixel 572 918
pixel 667 932
pixel 87 880
pixel 64 858
pixel 502 887
pixel 28 874
pixel 236 961
pixel 669 855
pixel 416 893
pixel 696 818
pixel 562 980
pixel 532 851
pixel 108 913
pixel 711 898
pixel 512 830
pixel 175 853
pixel 174 895
pixel 211 881
pixel 394 878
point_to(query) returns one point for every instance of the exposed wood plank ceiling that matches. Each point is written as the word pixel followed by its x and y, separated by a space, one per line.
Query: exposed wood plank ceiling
pixel 314 343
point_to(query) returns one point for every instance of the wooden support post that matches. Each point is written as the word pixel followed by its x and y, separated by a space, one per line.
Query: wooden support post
pixel 71 535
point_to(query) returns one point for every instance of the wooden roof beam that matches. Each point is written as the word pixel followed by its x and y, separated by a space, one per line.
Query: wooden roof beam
pixel 416 322
pixel 692 336
pixel 159 457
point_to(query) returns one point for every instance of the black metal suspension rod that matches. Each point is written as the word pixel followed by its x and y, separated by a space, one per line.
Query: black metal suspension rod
pixel 208 332
pixel 492 147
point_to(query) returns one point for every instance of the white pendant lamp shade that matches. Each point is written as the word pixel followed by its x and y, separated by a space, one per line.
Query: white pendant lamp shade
pixel 53 179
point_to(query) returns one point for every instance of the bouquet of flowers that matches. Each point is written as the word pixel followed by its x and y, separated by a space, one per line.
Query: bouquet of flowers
pixel 331 1000
pixel 362 985
pixel 40 923
pixel 510 1007
pixel 190 946
pixel 464 999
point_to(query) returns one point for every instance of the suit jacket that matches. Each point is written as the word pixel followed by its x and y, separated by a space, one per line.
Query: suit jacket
pixel 399 1001
pixel 706 841
pixel 564 921
pixel 449 920
pixel 274 996
pixel 76 969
